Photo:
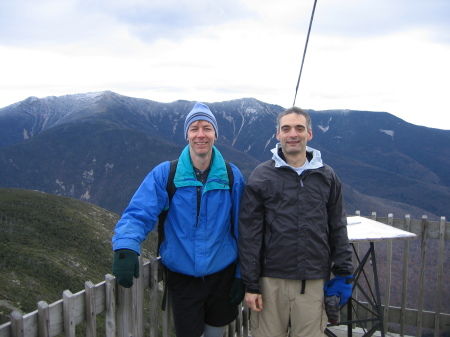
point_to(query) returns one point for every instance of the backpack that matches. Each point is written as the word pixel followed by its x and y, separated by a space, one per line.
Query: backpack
pixel 171 189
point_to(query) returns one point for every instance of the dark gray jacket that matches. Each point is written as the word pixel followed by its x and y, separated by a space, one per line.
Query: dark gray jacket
pixel 292 226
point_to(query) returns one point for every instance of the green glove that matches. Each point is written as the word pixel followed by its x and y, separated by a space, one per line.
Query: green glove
pixel 125 266
pixel 237 292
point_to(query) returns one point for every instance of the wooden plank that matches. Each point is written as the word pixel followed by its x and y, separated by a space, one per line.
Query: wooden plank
pixel 387 290
pixel 138 302
pixel 91 318
pixel 405 277
pixel 43 319
pixel 371 280
pixel 440 272
pixel 411 317
pixel 100 297
pixel 125 319
pixel 30 324
pixel 5 329
pixel 145 272
pixel 110 305
pixel 17 327
pixel 69 316
pixel 422 275
pixel 56 317
pixel 154 298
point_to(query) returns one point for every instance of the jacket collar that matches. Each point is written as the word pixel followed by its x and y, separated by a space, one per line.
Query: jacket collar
pixel 314 157
pixel 217 177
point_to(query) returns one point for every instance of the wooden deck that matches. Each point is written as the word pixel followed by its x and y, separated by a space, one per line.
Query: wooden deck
pixel 341 331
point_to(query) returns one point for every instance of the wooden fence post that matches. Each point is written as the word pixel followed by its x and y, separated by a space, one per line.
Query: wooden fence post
pixel 405 278
pixel 138 301
pixel 130 307
pixel 440 272
pixel 17 327
pixel 68 314
pixel 154 302
pixel 387 289
pixel 110 305
pixel 43 319
pixel 89 301
pixel 125 321
pixel 422 275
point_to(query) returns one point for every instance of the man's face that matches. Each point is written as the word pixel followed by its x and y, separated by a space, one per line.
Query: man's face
pixel 201 137
pixel 293 134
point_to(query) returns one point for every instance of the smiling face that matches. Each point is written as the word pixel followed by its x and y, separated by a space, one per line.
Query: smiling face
pixel 201 137
pixel 294 134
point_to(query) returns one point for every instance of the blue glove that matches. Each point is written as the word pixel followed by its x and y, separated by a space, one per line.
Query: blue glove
pixel 125 266
pixel 237 291
pixel 340 286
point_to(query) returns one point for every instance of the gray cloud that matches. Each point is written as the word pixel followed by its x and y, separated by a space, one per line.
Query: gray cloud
pixel 369 18
pixel 46 22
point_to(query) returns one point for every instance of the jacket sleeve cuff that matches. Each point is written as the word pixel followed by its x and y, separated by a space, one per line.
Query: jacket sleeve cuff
pixel 127 244
pixel 341 271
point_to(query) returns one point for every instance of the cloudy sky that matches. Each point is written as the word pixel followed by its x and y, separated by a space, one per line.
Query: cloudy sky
pixel 376 55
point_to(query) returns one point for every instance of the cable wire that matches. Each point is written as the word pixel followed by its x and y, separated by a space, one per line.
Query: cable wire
pixel 304 51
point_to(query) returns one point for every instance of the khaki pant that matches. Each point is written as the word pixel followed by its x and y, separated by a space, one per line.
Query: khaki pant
pixel 286 309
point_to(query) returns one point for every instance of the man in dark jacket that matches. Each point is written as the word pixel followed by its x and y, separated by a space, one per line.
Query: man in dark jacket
pixel 292 234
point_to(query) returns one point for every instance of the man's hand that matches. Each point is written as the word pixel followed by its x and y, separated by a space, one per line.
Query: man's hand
pixel 125 266
pixel 340 286
pixel 254 301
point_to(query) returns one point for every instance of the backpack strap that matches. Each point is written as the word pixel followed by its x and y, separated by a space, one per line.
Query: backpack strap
pixel 230 176
pixel 170 188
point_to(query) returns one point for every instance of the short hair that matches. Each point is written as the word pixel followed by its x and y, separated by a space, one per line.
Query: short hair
pixel 297 111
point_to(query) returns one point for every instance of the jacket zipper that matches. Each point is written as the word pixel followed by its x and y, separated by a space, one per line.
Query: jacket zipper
pixel 199 199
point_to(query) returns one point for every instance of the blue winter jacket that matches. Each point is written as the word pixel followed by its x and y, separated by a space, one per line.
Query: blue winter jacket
pixel 192 246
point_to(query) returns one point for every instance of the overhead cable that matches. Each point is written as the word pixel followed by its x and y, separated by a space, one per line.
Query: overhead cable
pixel 304 51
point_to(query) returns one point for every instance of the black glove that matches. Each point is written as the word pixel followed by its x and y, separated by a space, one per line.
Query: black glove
pixel 125 266
pixel 237 292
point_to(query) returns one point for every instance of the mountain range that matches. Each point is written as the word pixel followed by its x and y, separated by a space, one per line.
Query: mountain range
pixel 98 147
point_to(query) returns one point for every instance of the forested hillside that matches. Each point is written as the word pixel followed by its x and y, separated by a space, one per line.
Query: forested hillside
pixel 48 244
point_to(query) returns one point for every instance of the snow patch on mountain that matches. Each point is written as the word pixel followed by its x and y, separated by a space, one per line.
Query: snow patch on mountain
pixel 388 132
pixel 323 128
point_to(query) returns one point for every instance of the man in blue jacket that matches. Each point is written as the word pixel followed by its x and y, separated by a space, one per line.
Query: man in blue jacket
pixel 199 249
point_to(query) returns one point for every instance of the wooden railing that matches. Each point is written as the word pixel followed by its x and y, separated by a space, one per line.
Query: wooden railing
pixel 413 303
pixel 122 310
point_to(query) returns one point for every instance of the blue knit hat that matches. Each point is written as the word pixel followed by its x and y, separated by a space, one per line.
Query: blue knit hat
pixel 200 112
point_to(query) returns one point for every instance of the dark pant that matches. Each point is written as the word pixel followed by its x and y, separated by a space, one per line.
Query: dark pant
pixel 197 301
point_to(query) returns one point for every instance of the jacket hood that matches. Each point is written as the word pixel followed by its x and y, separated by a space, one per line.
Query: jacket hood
pixel 314 163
